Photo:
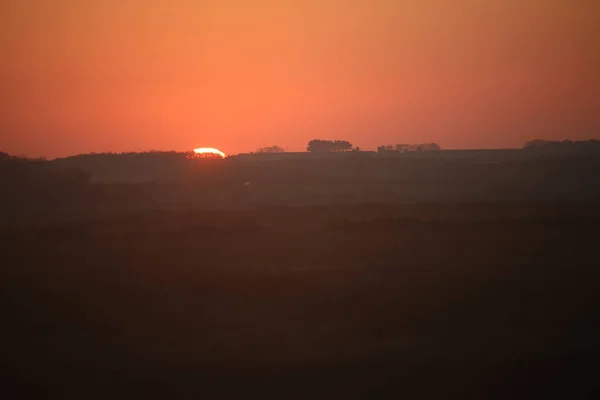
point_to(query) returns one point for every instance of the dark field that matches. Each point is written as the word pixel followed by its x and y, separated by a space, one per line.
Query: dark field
pixel 475 300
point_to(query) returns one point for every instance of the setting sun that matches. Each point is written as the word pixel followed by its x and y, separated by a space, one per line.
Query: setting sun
pixel 209 151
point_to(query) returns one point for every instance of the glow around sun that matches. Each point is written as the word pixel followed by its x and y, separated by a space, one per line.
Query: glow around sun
pixel 209 151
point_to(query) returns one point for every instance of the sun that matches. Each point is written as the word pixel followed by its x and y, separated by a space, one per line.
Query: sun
pixel 209 151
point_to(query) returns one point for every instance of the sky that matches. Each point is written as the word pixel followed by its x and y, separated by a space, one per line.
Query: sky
pixel 136 75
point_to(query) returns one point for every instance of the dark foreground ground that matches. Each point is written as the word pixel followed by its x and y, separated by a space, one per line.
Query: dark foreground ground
pixel 468 301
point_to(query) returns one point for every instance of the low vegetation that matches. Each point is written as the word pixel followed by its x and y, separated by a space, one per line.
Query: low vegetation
pixel 346 277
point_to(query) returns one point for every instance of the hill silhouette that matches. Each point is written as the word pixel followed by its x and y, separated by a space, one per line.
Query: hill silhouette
pixel 345 273
pixel 563 172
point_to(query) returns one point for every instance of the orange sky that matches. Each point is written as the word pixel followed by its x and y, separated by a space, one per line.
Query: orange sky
pixel 133 75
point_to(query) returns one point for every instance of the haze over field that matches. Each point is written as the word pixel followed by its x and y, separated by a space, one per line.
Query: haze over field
pixel 276 199
pixel 133 75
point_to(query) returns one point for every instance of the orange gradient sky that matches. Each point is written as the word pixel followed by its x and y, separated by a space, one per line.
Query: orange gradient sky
pixel 133 75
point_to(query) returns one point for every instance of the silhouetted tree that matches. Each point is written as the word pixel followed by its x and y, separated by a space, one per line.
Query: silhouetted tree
pixel 322 146
pixel 577 146
pixel 405 148
pixel 535 144
pixel 271 149
pixel 428 147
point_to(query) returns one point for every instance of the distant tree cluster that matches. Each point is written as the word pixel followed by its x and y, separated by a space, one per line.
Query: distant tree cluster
pixel 271 149
pixel 565 144
pixel 20 159
pixel 323 146
pixel 407 148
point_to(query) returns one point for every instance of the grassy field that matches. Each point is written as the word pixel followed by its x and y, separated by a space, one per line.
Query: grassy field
pixel 467 300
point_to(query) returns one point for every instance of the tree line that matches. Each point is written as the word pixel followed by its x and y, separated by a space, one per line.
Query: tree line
pixel 407 148
pixel 591 144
